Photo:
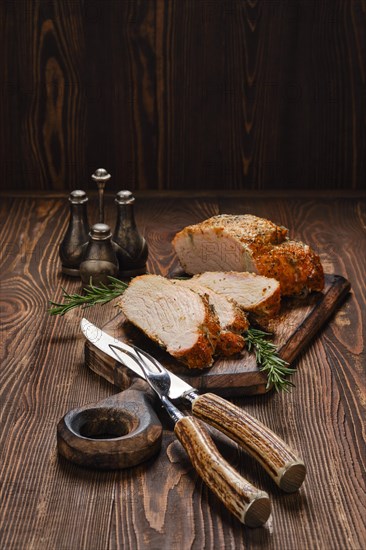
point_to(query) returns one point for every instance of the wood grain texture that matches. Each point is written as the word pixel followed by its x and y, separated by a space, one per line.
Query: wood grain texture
pixel 44 94
pixel 177 94
pixel 47 502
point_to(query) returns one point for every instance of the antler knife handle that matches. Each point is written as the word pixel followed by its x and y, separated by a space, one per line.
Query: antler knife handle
pixel 286 469
pixel 251 506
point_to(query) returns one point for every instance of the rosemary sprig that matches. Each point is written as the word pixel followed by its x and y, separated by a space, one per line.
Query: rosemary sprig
pixel 93 295
pixel 268 359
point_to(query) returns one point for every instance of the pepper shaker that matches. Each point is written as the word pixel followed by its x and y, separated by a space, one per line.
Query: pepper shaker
pixel 101 177
pixel 76 237
pixel 132 250
pixel 100 260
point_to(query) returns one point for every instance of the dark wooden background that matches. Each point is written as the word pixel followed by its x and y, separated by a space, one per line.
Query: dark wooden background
pixel 183 94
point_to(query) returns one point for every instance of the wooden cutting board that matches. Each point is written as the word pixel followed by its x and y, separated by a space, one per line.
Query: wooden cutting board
pixel 300 320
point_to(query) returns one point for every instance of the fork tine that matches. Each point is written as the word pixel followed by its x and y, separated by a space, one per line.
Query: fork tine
pixel 137 360
pixel 152 359
pixel 140 355
pixel 160 381
pixel 146 365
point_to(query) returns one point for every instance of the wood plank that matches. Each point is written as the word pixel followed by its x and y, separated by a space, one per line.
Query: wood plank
pixel 47 503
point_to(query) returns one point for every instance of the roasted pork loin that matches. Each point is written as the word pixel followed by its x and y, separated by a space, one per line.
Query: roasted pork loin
pixel 232 319
pixel 294 265
pixel 253 293
pixel 251 244
pixel 177 318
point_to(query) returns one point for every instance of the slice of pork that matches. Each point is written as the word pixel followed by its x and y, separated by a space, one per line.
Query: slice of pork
pixel 253 293
pixel 175 317
pixel 232 319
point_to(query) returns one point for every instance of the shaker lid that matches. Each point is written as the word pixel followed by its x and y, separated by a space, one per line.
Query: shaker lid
pixel 125 197
pixel 100 232
pixel 101 175
pixel 78 197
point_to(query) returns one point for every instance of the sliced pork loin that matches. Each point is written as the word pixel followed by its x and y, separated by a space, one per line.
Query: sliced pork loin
pixel 176 317
pixel 253 293
pixel 251 244
pixel 233 321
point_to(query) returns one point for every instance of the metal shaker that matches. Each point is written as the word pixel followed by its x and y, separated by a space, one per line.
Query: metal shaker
pixel 100 260
pixel 132 250
pixel 74 242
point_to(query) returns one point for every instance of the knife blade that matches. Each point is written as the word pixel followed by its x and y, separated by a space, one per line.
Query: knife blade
pixel 277 458
pixel 103 341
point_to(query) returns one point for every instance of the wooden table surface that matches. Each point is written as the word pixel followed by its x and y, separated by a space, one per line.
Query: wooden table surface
pixel 48 503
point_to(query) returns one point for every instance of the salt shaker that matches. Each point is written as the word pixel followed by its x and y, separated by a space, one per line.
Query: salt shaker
pixel 131 247
pixel 76 237
pixel 100 260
